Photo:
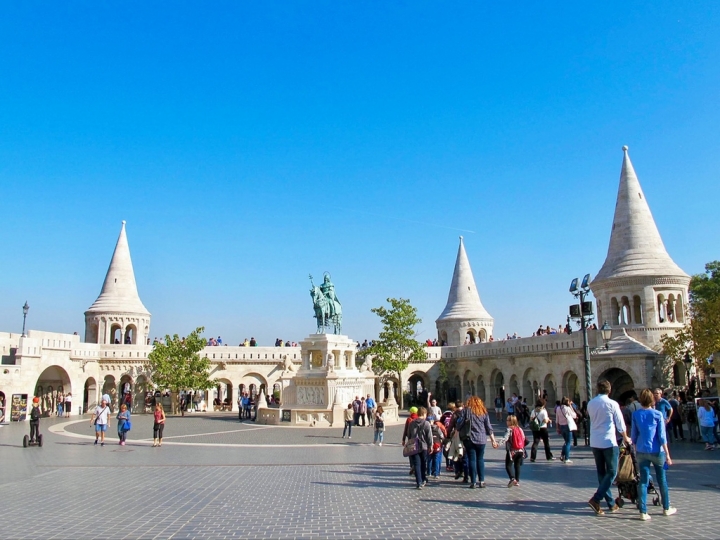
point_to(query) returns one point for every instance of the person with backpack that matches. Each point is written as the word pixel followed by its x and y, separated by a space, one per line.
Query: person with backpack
pixel 446 419
pixel 539 424
pixel 514 450
pixel 420 431
pixel 439 435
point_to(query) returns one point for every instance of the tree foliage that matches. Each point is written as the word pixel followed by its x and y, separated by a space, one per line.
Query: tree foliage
pixel 177 365
pixel 701 334
pixel 396 346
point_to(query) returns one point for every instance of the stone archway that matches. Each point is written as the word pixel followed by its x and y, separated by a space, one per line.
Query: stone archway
pixel 498 382
pixel 622 385
pixel 52 380
pixel 110 389
pixel 513 387
pixel 480 389
pixel 90 396
pixel 139 394
pixel 528 390
pixel 550 388
pixel 571 386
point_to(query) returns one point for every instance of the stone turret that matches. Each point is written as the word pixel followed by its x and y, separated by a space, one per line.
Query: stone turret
pixel 639 287
pixel 118 315
pixel 464 315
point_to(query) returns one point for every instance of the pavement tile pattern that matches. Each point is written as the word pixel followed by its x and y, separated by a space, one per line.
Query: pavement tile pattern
pixel 223 483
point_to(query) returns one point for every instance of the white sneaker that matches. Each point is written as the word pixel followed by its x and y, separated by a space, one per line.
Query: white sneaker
pixel 379 444
pixel 670 511
pixel 645 517
pixel 568 461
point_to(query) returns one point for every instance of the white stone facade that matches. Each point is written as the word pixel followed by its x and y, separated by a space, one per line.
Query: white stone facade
pixel 639 290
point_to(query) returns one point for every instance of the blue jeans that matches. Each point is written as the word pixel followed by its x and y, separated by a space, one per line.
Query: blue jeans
pixel 348 428
pixel 419 462
pixel 435 462
pixel 565 432
pixel 708 434
pixel 644 461
pixel 606 462
pixel 475 455
pixel 379 435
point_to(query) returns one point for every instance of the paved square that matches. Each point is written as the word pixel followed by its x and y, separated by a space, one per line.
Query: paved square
pixel 217 478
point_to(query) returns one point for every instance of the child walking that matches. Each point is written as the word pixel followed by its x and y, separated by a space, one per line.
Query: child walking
pixel 514 450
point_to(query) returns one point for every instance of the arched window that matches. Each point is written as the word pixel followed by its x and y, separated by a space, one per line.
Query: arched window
pixel 637 310
pixel 671 308
pixel 661 311
pixel 679 309
pixel 615 311
pixel 625 311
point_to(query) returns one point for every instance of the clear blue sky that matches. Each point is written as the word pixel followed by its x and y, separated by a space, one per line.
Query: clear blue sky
pixel 248 144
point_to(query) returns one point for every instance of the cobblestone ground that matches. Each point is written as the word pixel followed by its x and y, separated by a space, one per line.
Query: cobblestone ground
pixel 216 478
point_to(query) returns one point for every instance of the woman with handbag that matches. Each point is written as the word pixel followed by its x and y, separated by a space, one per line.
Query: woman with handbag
pixel 417 446
pixel 379 423
pixel 123 418
pixel 514 450
pixel 565 419
pixel 475 430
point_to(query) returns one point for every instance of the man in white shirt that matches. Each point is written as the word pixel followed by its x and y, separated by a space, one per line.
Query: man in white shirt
pixel 605 420
pixel 435 410
pixel 100 420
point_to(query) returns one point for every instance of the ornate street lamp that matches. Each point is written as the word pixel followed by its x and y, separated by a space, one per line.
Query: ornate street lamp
pixel 26 308
pixel 606 332
pixel 688 364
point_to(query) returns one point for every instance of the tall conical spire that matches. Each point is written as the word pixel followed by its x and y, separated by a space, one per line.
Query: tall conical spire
pixel 636 248
pixel 119 292
pixel 463 299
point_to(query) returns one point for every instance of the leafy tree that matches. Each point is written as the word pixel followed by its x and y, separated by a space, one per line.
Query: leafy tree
pixel 396 346
pixel 177 365
pixel 701 334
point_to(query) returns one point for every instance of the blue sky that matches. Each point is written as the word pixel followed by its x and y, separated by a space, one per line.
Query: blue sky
pixel 248 144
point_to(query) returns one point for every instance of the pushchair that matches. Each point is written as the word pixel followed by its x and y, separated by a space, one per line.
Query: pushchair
pixel 628 479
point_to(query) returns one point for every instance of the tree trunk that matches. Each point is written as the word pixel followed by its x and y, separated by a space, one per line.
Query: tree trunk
pixel 401 393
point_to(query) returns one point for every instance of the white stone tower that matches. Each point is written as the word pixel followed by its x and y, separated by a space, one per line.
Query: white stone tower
pixel 118 315
pixel 639 288
pixel 464 315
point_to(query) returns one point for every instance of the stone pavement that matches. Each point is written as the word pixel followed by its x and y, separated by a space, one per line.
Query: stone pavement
pixel 216 478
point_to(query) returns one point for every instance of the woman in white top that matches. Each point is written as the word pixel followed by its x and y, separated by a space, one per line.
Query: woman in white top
pixel 539 423
pixel 706 419
pixel 566 425
pixel 68 404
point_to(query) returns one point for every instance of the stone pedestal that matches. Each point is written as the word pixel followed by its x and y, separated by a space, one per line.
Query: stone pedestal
pixel 318 392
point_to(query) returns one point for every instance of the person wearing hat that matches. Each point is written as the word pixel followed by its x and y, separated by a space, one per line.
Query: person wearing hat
pixel 35 419
pixel 100 420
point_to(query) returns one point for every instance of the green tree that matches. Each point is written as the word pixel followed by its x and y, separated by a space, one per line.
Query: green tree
pixel 396 346
pixel 177 365
pixel 701 334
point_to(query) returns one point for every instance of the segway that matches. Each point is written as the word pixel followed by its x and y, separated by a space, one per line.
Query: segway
pixel 29 442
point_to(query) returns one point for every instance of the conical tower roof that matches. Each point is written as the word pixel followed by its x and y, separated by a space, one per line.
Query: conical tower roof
pixel 636 248
pixel 463 299
pixel 119 292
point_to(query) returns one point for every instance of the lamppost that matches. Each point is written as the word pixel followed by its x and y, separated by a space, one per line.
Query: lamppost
pixel 26 308
pixel 584 312
pixel 688 364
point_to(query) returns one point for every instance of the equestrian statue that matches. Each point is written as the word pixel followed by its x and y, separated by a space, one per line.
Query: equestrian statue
pixel 328 310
